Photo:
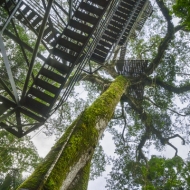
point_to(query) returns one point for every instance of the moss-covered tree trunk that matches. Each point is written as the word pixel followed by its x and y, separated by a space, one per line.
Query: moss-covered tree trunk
pixel 72 153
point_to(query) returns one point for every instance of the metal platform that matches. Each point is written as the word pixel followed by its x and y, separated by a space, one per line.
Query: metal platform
pixel 133 69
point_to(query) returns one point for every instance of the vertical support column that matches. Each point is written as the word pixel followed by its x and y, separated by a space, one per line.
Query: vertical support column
pixel 122 52
pixel 8 68
pixel 70 9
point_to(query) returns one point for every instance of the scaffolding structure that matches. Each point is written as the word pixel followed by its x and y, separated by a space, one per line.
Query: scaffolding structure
pixel 76 36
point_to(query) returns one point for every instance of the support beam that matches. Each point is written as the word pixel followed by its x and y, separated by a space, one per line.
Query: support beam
pixel 7 89
pixel 70 8
pixel 8 68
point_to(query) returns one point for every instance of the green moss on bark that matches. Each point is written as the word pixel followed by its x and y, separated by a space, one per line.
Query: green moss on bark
pixel 85 135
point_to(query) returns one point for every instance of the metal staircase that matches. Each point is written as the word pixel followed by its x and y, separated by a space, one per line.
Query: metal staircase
pixel 32 19
pixel 52 76
pixel 119 28
pixel 95 28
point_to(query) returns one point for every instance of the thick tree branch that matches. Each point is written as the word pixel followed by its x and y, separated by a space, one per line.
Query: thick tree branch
pixel 179 27
pixel 125 122
pixel 139 153
pixel 166 40
pixel 171 88
pixel 166 108
pixel 165 11
pixel 177 90
pixel 150 129
pixel 164 140
pixel 174 136
pixel 110 70
pixel 176 150
pixel 94 79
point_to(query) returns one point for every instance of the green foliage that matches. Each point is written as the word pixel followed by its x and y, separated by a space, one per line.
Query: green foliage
pixel 19 153
pixel 98 163
pixel 182 10
pixel 159 173
pixel 11 181
pixel 7 183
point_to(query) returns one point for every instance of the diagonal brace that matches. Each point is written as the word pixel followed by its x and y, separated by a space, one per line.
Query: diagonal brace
pixel 11 16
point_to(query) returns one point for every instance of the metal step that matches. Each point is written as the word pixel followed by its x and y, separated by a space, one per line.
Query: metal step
pixel 80 26
pixel 117 24
pixel 101 53
pixel 47 31
pixel 31 115
pixel 126 5
pixel 36 21
pixel 131 2
pixel 50 39
pixel 106 44
pixel 36 106
pixel 52 75
pixel 118 19
pixel 102 3
pixel 97 58
pixel 41 95
pixel 64 55
pixel 46 86
pixel 62 68
pixel 122 15
pixel 70 45
pixel 86 17
pixel 74 35
pixel 31 15
pixel 102 48
pixel 25 10
pixel 111 34
pixel 90 8
pixel 123 10
pixel 107 38
pixel 112 28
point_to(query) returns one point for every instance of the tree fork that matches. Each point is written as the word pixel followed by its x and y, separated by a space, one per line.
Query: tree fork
pixel 81 180
pixel 75 148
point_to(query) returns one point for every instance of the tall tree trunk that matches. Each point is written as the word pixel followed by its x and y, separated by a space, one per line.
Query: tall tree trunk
pixel 72 153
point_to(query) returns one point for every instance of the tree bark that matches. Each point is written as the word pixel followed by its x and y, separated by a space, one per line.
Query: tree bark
pixel 81 180
pixel 72 153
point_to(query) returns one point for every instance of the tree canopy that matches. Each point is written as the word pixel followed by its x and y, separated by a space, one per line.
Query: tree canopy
pixel 138 124
pixel 182 10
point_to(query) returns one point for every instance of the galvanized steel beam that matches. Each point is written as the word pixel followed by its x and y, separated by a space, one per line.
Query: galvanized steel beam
pixel 8 68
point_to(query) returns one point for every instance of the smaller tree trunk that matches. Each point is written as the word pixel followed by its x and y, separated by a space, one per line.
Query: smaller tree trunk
pixel 81 180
